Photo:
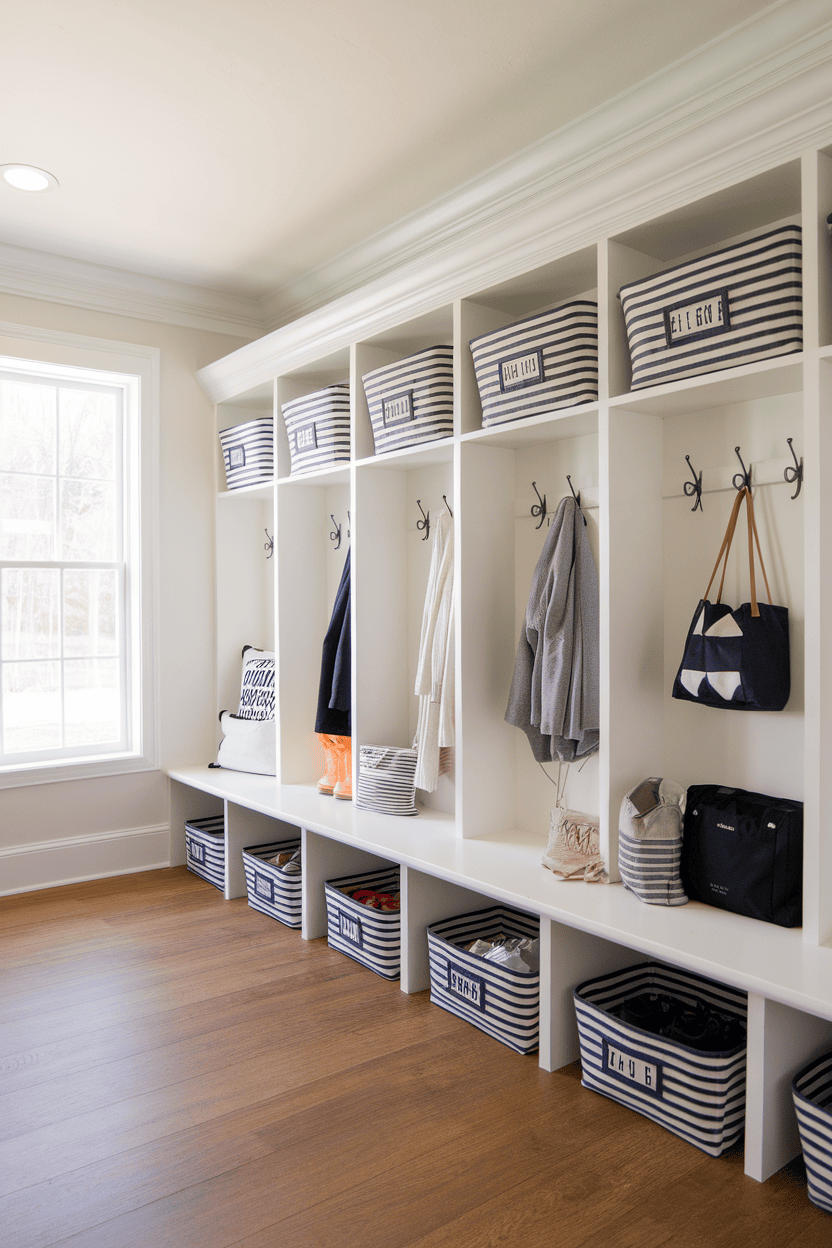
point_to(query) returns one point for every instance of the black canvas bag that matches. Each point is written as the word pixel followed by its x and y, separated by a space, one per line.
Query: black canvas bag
pixel 743 852
pixel 737 659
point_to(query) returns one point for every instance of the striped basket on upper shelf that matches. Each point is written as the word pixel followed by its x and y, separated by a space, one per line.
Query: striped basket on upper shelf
pixel 732 307
pixel 412 400
pixel 318 428
pixel 540 364
pixel 273 890
pixel 369 936
pixel 387 780
pixel 205 849
pixel 248 452
pixel 812 1093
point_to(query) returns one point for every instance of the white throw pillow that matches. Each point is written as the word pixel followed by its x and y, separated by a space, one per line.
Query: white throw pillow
pixel 257 686
pixel 248 744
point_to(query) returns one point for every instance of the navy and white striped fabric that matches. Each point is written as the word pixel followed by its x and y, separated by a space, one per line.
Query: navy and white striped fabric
pixel 650 825
pixel 412 400
pixel 318 426
pixel 698 1096
pixel 500 1001
pixel 371 937
pixel 540 364
pixel 248 452
pixel 812 1092
pixel 205 849
pixel 271 889
pixel 735 306
pixel 387 780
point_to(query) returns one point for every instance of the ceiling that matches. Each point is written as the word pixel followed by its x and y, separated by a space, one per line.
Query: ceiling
pixel 235 146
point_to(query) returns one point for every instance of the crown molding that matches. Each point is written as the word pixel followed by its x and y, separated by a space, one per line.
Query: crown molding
pixel 99 288
pixel 743 104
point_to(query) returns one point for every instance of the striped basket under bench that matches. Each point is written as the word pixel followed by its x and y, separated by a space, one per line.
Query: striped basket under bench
pixel 248 452
pixel 735 306
pixel 271 889
pixel 412 400
pixel 502 1002
pixel 205 849
pixel 812 1092
pixel 540 364
pixel 318 428
pixel 698 1096
pixel 371 937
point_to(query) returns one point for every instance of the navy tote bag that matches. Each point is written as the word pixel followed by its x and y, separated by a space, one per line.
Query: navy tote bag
pixel 737 659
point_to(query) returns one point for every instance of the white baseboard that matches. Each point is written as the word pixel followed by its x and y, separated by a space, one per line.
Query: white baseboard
pixel 48 864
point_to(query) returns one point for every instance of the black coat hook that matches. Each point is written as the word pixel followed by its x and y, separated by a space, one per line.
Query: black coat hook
pixel 539 509
pixel 577 497
pixel 694 487
pixel 448 505
pixel 424 523
pixel 268 545
pixel 335 535
pixel 349 525
pixel 741 480
pixel 796 473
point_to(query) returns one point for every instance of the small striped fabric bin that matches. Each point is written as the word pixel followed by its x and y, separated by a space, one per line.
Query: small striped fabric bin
pixel 539 364
pixel 205 849
pixel 699 1096
pixel 412 400
pixel 271 889
pixel 371 937
pixel 502 1002
pixel 387 780
pixel 735 306
pixel 248 452
pixel 318 427
pixel 812 1092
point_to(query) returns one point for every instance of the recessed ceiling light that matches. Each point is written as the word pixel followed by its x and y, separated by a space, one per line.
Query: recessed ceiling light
pixel 28 178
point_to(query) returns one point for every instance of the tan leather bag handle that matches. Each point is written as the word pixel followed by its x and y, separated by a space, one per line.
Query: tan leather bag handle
pixel 725 550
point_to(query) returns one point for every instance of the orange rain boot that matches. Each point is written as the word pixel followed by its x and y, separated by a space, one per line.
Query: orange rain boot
pixel 343 788
pixel 329 779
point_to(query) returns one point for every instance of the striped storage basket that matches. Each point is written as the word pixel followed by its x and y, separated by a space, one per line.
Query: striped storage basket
pixel 205 849
pixel 502 1002
pixel 733 307
pixel 539 364
pixel 412 400
pixel 318 426
pixel 387 780
pixel 248 452
pixel 812 1092
pixel 271 889
pixel 698 1096
pixel 371 937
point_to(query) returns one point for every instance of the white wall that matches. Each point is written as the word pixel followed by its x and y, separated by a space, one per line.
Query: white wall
pixel 56 832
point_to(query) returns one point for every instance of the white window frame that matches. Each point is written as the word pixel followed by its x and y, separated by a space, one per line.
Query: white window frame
pixel 134 369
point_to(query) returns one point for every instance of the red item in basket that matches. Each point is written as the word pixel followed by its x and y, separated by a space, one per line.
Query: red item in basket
pixel 377 901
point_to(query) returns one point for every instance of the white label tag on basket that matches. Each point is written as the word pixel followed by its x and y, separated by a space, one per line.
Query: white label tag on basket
pixel 307 438
pixel 350 929
pixel 631 1067
pixel 697 318
pixel 237 457
pixel 523 369
pixel 396 409
pixel 195 850
pixel 470 988
pixel 263 887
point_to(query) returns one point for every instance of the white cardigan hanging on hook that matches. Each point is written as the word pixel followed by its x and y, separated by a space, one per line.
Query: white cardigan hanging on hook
pixel 435 673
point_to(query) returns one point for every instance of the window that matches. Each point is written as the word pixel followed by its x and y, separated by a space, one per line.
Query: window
pixel 75 660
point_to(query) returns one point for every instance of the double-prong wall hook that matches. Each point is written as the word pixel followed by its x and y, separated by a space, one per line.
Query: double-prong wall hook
pixel 268 545
pixel 424 523
pixel 694 487
pixel 741 480
pixel 539 508
pixel 577 497
pixel 335 535
pixel 794 474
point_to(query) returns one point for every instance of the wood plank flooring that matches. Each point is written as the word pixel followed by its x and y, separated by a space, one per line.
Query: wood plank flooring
pixel 179 1070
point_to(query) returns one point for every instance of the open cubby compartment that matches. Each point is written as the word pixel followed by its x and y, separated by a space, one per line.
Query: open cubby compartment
pixel 310 561
pixel 727 216
pixel 818 194
pixel 301 381
pixel 391 564
pixel 570 277
pixel 254 404
pixel 502 788
pixel 435 328
pixel 245 581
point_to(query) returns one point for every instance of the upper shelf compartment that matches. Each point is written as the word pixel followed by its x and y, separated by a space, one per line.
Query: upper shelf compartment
pixel 321 443
pixel 245 465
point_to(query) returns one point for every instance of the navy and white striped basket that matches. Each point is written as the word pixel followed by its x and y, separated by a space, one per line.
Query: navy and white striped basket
pixel 698 1096
pixel 812 1092
pixel 205 849
pixel 412 400
pixel 271 889
pixel 735 306
pixel 387 780
pixel 318 427
pixel 371 937
pixel 540 364
pixel 502 1002
pixel 248 452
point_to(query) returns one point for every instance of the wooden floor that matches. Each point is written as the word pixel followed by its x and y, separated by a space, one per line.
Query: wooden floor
pixel 179 1070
